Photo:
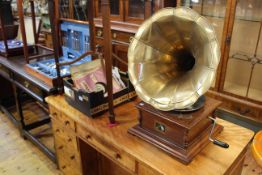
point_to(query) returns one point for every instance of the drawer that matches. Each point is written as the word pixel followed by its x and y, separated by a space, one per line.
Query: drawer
pixel 66 150
pixel 68 157
pixel 242 110
pixel 69 170
pixel 121 36
pixel 54 113
pixel 4 71
pixel 146 170
pixel 116 35
pixel 65 137
pixel 30 87
pixel 65 121
pixel 116 155
pixel 68 166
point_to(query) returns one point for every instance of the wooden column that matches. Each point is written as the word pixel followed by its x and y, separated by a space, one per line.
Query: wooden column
pixel 105 10
pixel 148 8
pixel 53 7
pixel 22 28
pixel 91 14
pixel 71 9
pixel 32 5
pixel 225 44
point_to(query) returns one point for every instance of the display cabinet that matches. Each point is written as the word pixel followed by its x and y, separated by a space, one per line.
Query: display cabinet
pixel 134 11
pixel 74 9
pixel 123 10
pixel 125 19
pixel 126 15
pixel 214 11
pixel 245 53
pixel 238 24
pixel 116 7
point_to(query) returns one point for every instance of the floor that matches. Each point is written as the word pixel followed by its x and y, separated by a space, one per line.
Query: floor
pixel 20 157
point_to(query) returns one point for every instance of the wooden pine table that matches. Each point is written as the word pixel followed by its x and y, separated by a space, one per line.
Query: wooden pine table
pixel 97 149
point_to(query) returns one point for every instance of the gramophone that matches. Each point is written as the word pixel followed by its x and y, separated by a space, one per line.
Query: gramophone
pixel 172 61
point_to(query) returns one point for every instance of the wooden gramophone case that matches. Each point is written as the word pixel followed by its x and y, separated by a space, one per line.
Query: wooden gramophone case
pixel 183 135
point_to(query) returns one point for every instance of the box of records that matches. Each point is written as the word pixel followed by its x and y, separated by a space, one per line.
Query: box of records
pixel 86 89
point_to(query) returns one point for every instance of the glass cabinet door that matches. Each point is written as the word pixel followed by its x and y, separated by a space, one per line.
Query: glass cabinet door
pixel 213 10
pixel 244 66
pixel 73 9
pixel 135 10
pixel 116 9
pixel 80 10
pixel 64 8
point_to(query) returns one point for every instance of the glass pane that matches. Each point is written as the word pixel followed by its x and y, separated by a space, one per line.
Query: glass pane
pixel 114 7
pixel 213 10
pixel 80 10
pixel 249 10
pixel 136 8
pixel 246 49
pixel 255 91
pixel 237 82
pixel 64 8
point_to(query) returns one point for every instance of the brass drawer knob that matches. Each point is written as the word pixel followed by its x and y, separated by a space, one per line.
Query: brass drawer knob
pixel 99 33
pixel 72 157
pixel 26 83
pixel 57 130
pixel 63 167
pixel 61 147
pixel 88 136
pixel 114 35
pixel 67 122
pixel 117 156
pixel 69 140
pixel 131 39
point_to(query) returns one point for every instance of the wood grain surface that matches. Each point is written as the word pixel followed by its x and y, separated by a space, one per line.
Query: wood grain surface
pixel 19 156
pixel 212 160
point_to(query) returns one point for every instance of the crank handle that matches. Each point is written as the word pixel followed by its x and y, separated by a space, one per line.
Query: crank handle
pixel 214 141
pixel 221 144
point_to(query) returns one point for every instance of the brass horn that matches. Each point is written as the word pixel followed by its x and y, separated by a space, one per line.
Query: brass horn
pixel 172 59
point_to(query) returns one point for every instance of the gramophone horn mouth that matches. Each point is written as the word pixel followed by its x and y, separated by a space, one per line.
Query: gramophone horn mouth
pixel 185 60
pixel 172 59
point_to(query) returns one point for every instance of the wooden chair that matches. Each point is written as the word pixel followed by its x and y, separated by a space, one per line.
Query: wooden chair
pixel 37 54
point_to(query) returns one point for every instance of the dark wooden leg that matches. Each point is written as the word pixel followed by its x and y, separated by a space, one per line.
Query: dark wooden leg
pixel 105 10
pixel 19 109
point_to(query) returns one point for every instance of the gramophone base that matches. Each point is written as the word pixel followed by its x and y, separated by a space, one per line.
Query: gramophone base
pixel 184 155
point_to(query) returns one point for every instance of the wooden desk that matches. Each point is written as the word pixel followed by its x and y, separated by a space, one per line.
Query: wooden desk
pixel 12 70
pixel 80 142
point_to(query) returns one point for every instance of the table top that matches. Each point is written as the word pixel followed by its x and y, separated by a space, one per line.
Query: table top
pixel 211 160
pixel 16 64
